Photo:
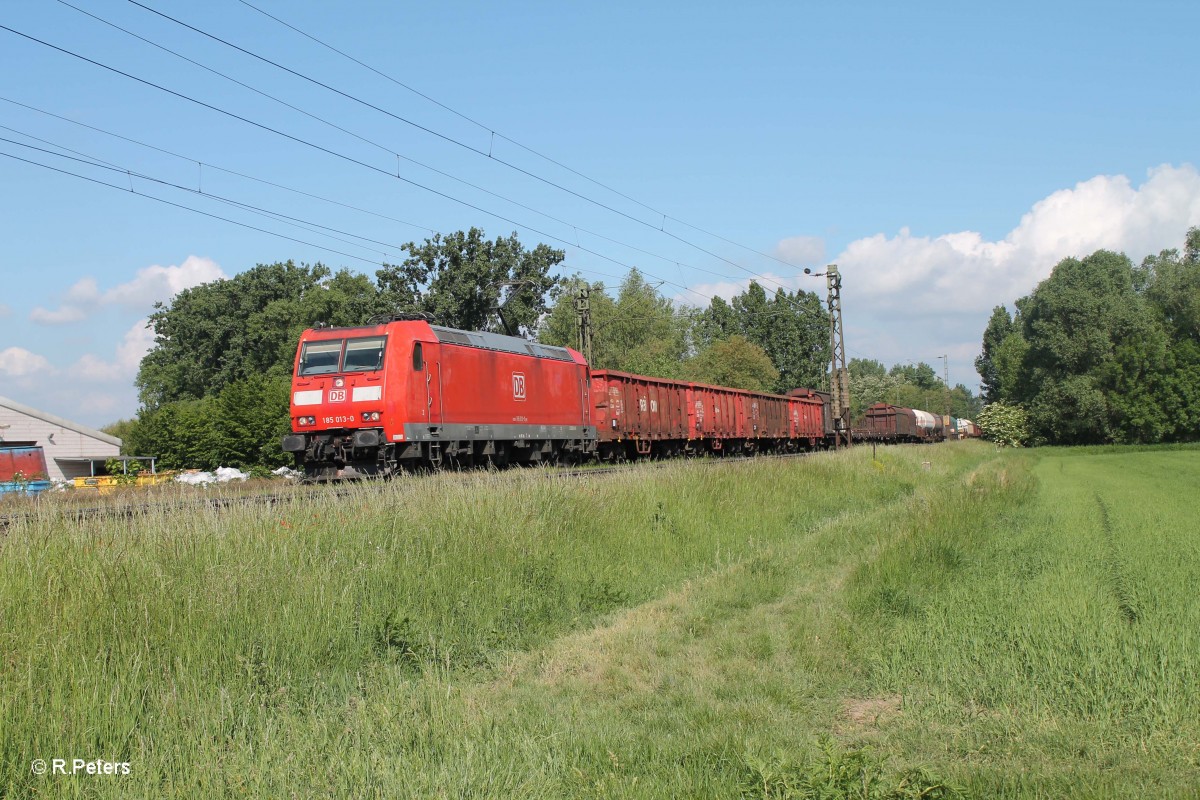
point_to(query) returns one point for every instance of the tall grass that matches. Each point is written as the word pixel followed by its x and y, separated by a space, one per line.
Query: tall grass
pixel 1058 638
pixel 173 640
pixel 836 627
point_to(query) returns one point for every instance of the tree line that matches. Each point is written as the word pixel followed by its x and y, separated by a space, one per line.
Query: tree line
pixel 214 388
pixel 1102 351
pixel 909 385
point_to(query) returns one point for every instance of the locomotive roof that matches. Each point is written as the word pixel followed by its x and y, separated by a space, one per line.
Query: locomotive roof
pixel 480 339
pixel 496 341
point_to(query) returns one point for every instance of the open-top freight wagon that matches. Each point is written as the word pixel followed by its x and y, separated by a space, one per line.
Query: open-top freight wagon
pixel 637 415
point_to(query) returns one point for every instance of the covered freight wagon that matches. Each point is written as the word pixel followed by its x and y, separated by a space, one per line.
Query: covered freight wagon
pixel 887 423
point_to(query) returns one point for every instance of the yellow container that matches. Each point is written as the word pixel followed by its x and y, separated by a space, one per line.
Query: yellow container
pixel 109 483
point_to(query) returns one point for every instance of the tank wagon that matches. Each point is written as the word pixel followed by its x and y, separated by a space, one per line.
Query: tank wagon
pixel 381 398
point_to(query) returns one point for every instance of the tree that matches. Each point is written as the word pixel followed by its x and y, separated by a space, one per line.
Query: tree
pixel 212 335
pixel 792 328
pixel 1091 342
pixel 460 279
pixel 921 376
pixel 870 383
pixel 639 332
pixel 1102 351
pixel 998 328
pixel 735 362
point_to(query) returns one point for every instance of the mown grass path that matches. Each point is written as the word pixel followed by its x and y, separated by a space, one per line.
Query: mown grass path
pixel 1004 624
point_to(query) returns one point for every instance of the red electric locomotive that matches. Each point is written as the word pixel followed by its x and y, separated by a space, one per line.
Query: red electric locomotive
pixel 373 400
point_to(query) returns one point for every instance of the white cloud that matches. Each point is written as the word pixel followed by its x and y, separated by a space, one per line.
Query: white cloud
pixel 92 390
pixel 155 283
pixel 17 362
pixel 920 274
pixel 912 298
pixel 152 284
pixel 60 316
pixel 802 250
pixel 136 342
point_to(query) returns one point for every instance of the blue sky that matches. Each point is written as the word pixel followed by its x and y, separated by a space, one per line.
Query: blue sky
pixel 945 157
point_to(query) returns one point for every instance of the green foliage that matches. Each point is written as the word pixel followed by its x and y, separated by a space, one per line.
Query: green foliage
pixel 980 620
pixel 639 332
pixel 458 279
pixel 214 388
pixel 912 386
pixel 240 426
pixel 1103 351
pixel 998 328
pixel 1007 426
pixel 243 327
pixel 792 328
pixel 120 429
pixel 921 375
pixel 644 333
pixel 125 476
pixel 734 362
pixel 837 773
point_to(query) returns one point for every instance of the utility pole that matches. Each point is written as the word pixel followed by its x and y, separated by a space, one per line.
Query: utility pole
pixel 583 322
pixel 946 381
pixel 839 377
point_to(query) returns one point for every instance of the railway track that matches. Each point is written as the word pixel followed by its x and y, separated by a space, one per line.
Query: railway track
pixel 128 511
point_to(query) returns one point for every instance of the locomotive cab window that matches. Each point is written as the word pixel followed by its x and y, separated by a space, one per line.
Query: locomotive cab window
pixel 364 355
pixel 319 358
pixel 418 357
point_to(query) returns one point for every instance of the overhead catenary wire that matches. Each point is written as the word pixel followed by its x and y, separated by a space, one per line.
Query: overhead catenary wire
pixel 665 216
pixel 132 190
pixel 390 151
pixel 459 143
pixel 336 154
pixel 91 161
pixel 278 216
pixel 218 167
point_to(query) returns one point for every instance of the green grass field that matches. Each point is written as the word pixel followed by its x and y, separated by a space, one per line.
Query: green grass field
pixel 987 624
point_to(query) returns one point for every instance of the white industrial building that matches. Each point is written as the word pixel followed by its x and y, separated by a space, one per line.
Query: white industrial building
pixel 72 450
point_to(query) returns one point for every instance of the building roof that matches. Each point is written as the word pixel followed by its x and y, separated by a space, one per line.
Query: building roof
pixel 59 421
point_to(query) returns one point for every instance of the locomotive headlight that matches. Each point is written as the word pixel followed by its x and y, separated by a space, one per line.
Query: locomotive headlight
pixel 339 382
pixel 307 420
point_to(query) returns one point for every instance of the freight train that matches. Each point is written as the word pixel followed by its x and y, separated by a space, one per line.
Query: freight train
pixel 403 394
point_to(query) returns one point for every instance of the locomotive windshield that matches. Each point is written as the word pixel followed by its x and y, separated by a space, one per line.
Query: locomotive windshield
pixel 353 355
pixel 319 358
pixel 364 355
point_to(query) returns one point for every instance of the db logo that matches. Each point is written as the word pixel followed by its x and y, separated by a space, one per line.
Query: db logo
pixel 518 385
pixel 337 395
